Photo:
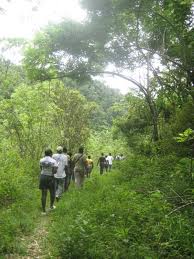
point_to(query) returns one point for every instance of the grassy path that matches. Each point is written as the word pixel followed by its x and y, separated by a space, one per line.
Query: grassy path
pixel 33 245
pixel 121 214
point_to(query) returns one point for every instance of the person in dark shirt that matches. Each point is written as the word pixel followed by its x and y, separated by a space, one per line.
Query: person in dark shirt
pixel 101 162
pixel 106 164
pixel 71 167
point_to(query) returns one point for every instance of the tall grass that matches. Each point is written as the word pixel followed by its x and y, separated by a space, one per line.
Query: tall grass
pixel 123 214
pixel 18 201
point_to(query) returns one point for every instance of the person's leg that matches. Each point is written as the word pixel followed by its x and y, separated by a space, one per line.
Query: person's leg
pixel 67 182
pixel 52 196
pixel 78 179
pixel 56 184
pixel 51 184
pixel 82 177
pixel 73 175
pixel 43 199
pixel 56 188
pixel 60 187
pixel 69 178
pixel 87 171
pixel 101 168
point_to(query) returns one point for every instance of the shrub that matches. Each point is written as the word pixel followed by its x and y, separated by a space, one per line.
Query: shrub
pixel 18 201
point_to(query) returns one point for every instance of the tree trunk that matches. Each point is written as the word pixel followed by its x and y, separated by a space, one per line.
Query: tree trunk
pixel 154 114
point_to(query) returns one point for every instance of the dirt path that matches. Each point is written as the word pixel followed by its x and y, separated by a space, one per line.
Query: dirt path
pixel 35 243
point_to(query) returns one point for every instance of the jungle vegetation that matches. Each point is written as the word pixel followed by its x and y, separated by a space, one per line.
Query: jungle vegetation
pixel 144 208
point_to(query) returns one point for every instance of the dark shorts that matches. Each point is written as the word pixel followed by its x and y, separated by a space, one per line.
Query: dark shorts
pixel 47 182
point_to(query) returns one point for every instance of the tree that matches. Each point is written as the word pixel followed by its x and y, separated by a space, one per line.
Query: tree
pixel 125 33
pixel 43 115
pixel 11 75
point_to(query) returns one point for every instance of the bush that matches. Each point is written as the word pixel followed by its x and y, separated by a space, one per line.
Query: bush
pixel 18 201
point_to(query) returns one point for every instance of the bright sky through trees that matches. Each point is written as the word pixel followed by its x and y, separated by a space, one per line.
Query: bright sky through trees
pixel 23 18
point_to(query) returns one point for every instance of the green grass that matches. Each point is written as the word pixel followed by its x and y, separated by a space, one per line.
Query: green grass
pixel 122 214
pixel 19 206
pixel 119 215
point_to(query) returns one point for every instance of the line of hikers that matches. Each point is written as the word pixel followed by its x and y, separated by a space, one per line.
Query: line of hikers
pixel 105 162
pixel 57 171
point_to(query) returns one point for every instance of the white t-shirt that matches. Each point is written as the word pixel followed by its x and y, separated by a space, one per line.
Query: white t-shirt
pixel 47 164
pixel 62 161
pixel 109 159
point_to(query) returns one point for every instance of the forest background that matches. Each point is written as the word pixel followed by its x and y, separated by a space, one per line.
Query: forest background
pixel 52 99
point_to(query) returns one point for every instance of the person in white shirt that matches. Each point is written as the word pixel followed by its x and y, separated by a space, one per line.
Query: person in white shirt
pixel 110 161
pixel 48 167
pixel 62 162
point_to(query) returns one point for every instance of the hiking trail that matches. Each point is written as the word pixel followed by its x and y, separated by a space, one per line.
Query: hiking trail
pixel 34 244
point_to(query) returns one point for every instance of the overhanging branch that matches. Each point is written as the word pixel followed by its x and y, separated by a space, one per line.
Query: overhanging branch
pixel 130 79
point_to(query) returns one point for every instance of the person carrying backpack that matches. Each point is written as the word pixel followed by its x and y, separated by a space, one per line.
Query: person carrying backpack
pixel 79 161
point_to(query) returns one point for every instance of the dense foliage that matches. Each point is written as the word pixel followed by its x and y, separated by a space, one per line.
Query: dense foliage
pixel 143 209
pixel 127 213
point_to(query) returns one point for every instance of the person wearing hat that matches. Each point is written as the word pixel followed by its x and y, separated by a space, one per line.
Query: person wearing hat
pixel 62 162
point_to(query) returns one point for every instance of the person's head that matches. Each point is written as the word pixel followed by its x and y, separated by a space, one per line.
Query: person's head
pixel 106 156
pixel 102 154
pixel 48 152
pixel 65 150
pixel 109 154
pixel 89 157
pixel 81 150
pixel 59 150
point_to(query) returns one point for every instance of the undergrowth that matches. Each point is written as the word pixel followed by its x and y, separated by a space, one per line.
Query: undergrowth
pixel 18 202
pixel 125 214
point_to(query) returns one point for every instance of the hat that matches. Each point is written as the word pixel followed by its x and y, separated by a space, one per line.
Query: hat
pixel 60 149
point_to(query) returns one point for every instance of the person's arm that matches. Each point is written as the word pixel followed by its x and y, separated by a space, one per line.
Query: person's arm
pixel 92 164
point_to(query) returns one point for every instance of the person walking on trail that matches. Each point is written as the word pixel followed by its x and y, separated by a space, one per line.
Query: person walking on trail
pixel 48 168
pixel 101 162
pixel 110 161
pixel 79 161
pixel 106 164
pixel 89 166
pixel 62 162
pixel 67 171
pixel 71 167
